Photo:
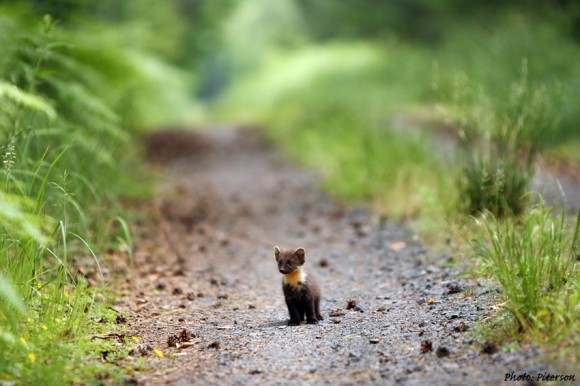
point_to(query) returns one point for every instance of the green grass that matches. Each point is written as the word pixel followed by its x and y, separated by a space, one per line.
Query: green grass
pixel 498 147
pixel 535 261
pixel 67 135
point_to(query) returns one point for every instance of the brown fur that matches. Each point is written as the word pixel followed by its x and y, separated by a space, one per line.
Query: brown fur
pixel 301 290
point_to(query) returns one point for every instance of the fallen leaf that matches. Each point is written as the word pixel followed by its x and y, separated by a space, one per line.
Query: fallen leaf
pixel 397 246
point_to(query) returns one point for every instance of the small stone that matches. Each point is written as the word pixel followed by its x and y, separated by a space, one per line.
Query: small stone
pixel 412 369
pixel 450 367
pixel 177 291
pixel 353 356
pixel 461 327
pixel 442 352
pixel 256 371
pixel 127 380
pixel 374 341
pixel 309 369
pixel 489 348
pixel 453 288
pixel 215 345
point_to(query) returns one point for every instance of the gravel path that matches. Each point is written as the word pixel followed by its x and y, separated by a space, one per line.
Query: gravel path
pixel 205 264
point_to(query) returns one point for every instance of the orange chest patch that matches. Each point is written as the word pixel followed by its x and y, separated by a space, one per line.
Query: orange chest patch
pixel 296 278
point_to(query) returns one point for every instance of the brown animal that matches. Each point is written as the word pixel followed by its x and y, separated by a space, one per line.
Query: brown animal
pixel 301 290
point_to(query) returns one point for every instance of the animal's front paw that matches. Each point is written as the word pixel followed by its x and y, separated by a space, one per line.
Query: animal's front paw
pixel 312 321
pixel 294 322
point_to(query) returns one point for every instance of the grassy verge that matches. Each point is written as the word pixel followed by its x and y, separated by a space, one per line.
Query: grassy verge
pixel 66 156
pixel 535 261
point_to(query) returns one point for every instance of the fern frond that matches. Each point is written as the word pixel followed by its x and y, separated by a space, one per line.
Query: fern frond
pixel 17 221
pixel 25 99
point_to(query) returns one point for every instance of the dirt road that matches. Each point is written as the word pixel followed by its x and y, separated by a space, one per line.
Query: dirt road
pixel 206 265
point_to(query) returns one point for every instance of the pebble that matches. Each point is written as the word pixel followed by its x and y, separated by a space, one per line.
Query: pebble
pixel 353 356
pixel 374 340
pixel 414 369
pixel 309 369
pixel 442 352
pixel 450 366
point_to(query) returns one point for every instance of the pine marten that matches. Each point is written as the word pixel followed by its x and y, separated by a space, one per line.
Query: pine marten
pixel 301 291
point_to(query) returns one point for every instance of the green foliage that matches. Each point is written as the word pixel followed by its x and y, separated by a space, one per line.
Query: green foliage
pixel 534 259
pixel 422 21
pixel 71 100
pixel 498 147
pixel 329 107
pixel 491 59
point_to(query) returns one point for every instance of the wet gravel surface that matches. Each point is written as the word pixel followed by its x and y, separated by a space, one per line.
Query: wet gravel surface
pixel 207 294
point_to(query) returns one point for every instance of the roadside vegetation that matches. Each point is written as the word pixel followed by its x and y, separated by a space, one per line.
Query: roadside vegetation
pixel 73 98
pixel 437 126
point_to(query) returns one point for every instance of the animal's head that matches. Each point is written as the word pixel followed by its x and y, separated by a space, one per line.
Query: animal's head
pixel 289 260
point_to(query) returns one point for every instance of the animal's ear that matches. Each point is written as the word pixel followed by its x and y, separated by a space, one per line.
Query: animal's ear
pixel 277 253
pixel 301 254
